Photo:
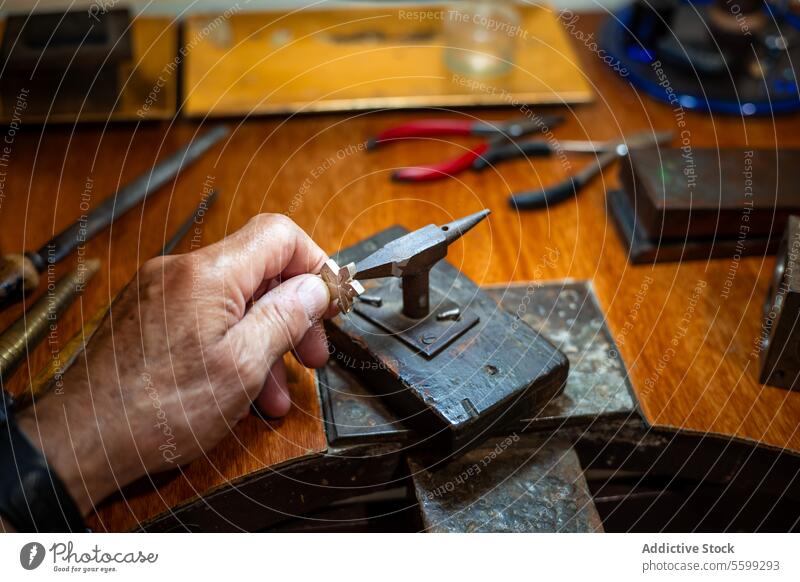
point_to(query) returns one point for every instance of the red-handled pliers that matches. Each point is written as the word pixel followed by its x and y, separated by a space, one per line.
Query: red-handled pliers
pixel 498 133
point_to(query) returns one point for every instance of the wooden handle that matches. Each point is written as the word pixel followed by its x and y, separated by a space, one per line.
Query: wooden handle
pixel 17 272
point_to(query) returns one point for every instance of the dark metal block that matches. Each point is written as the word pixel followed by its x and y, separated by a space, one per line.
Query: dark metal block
pixel 496 372
pixel 519 484
pixel 646 249
pixel 567 313
pixel 65 61
pixel 780 339
pixel 703 197
pixel 597 391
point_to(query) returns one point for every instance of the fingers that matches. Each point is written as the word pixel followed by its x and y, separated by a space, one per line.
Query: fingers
pixel 268 262
pixel 274 400
pixel 268 246
pixel 279 320
pixel 312 351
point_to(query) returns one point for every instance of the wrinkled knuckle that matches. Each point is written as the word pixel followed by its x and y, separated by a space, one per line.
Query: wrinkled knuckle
pixel 183 268
pixel 267 221
pixel 151 281
pixel 154 268
pixel 281 221
pixel 162 275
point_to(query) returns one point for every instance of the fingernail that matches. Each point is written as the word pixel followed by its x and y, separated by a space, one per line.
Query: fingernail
pixel 314 296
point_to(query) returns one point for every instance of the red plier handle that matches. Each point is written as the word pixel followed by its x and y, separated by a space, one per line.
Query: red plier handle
pixel 441 170
pixel 424 128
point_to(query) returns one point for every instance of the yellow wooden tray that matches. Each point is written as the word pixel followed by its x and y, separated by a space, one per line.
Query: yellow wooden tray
pixel 313 60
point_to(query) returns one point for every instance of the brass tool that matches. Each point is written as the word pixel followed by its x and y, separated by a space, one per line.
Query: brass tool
pixel 21 272
pixel 32 326
pixel 43 380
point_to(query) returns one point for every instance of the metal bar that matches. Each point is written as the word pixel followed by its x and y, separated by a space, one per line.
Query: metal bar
pixel 127 197
pixel 201 209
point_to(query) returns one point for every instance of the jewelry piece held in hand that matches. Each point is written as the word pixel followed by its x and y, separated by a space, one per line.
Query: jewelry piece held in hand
pixel 341 284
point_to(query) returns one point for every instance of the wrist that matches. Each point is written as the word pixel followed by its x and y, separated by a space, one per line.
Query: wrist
pixel 33 498
pixel 43 436
pixel 69 448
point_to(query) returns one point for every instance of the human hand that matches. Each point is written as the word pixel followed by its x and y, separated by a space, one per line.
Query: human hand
pixel 188 346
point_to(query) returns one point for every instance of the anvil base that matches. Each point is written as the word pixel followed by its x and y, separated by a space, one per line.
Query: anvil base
pixel 429 335
pixel 492 372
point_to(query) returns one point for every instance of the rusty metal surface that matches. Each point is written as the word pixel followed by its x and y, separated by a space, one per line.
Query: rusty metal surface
pixel 353 414
pixel 566 312
pixel 517 483
pixel 429 335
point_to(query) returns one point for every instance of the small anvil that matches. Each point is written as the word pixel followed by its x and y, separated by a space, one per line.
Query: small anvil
pixel 411 258
pixel 450 362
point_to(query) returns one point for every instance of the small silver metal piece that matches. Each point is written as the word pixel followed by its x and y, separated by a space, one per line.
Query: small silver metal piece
pixel 341 285
pixel 449 315
pixel 373 300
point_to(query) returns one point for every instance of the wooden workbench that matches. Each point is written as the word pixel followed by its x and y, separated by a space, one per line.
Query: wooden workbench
pixel 701 381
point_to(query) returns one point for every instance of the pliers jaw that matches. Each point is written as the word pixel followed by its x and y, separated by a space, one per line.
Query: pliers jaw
pixel 496 134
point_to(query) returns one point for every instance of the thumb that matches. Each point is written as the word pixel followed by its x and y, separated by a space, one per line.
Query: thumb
pixel 281 317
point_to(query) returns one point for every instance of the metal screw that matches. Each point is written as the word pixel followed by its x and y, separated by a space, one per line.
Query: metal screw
pixel 428 339
pixel 373 300
pixel 453 314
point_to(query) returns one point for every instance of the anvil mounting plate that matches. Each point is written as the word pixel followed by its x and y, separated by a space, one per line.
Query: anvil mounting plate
pixel 428 336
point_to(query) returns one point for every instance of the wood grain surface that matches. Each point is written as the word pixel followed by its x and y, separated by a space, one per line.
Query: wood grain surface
pixel 686 331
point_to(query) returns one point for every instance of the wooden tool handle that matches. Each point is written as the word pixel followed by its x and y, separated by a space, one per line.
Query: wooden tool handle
pixel 17 272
